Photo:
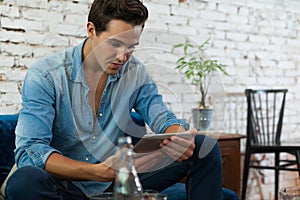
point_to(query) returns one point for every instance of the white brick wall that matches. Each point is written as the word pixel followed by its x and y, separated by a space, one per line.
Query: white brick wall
pixel 258 40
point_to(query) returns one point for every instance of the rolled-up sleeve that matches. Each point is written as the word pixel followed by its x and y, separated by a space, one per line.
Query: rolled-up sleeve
pixel 34 127
pixel 149 103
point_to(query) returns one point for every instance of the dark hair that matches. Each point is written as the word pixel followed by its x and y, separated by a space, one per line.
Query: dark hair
pixel 130 11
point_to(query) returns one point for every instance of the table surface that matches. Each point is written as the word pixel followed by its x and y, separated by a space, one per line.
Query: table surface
pixel 223 136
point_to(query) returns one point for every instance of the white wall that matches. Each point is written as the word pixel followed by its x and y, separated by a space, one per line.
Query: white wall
pixel 258 40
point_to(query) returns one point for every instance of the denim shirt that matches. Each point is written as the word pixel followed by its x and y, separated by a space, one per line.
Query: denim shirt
pixel 57 117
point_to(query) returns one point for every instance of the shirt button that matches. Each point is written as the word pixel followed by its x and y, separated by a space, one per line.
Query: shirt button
pixel 94 137
pixel 86 158
pixel 100 114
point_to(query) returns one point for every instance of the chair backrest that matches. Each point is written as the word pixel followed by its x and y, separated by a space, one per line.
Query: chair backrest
pixel 265 109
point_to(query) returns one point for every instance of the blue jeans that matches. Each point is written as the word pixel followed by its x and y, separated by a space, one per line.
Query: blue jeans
pixel 203 172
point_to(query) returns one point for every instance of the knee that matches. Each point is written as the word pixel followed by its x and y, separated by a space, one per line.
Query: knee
pixel 23 179
pixel 208 148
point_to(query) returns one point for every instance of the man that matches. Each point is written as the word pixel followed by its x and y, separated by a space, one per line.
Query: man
pixel 76 104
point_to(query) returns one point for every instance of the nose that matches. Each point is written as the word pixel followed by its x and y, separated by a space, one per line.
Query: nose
pixel 122 57
pixel 123 54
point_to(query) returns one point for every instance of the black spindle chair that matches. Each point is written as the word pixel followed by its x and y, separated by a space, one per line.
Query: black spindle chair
pixel 265 109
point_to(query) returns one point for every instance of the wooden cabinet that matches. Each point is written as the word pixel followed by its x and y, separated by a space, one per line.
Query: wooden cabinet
pixel 231 160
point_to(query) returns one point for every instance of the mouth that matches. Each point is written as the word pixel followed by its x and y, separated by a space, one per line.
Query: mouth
pixel 116 65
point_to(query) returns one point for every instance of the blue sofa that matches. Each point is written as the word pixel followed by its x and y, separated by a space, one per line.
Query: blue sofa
pixel 7 145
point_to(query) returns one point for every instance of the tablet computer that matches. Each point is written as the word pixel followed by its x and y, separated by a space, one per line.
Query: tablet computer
pixel 151 142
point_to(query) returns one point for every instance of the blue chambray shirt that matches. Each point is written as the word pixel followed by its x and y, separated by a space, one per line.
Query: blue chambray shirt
pixel 56 115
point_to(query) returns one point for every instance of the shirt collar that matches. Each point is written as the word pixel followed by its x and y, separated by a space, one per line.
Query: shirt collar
pixel 77 70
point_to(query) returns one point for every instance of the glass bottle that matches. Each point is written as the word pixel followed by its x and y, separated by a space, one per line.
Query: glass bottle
pixel 127 184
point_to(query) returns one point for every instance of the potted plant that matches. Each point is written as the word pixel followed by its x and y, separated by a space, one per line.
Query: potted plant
pixel 198 67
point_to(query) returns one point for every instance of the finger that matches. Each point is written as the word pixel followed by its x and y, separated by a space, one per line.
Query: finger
pixel 193 131
pixel 179 148
pixel 182 141
pixel 182 145
pixel 185 142
pixel 146 166
pixel 109 162
pixel 170 151
pixel 145 161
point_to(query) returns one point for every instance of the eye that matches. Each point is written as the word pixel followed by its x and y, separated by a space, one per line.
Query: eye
pixel 130 49
pixel 115 44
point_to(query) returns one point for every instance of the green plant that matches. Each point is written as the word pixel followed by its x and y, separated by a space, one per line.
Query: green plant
pixel 197 67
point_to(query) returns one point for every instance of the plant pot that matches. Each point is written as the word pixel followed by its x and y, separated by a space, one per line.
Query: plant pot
pixel 202 118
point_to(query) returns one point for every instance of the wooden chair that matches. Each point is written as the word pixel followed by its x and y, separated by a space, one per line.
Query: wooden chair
pixel 265 110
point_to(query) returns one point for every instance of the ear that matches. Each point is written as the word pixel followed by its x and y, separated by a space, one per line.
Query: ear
pixel 91 30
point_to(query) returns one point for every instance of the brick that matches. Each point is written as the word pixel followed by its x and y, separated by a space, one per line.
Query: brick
pixel 215 16
pixel 237 20
pixel 8 109
pixel 65 29
pixel 9 23
pixel 256 5
pixel 6 61
pixel 183 11
pixel 10 11
pixel 75 19
pixel 21 50
pixel 156 7
pixel 42 15
pixel 259 39
pixel 52 39
pixel 185 30
pixel 8 87
pixel 37 4
pixel 71 7
pixel 176 20
pixel 227 8
pixel 225 26
pixel 10 99
pixel 239 37
pixel 12 36
pixel 286 65
pixel 242 10
pixel 219 35
pixel 268 63
pixel 33 25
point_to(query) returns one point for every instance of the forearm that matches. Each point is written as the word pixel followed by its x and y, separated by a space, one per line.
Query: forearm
pixel 175 129
pixel 69 169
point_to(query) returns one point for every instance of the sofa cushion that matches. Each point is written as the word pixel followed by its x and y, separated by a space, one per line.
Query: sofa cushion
pixel 7 144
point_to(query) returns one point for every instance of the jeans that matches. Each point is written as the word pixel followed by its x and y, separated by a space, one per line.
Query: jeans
pixel 203 172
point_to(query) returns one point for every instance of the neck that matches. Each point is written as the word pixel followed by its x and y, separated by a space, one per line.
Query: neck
pixel 89 60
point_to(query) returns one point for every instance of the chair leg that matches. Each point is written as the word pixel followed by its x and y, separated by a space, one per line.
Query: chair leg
pixel 276 174
pixel 245 174
pixel 298 160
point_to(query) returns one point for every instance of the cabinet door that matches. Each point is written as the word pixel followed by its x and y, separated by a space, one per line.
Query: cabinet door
pixel 230 150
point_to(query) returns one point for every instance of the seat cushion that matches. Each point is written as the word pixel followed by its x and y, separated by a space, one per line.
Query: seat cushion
pixel 7 144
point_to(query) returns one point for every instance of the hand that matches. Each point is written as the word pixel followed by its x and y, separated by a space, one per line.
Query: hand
pixel 179 148
pixel 108 171
pixel 142 162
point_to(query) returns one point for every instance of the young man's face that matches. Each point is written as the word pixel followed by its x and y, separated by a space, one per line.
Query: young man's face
pixel 113 47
